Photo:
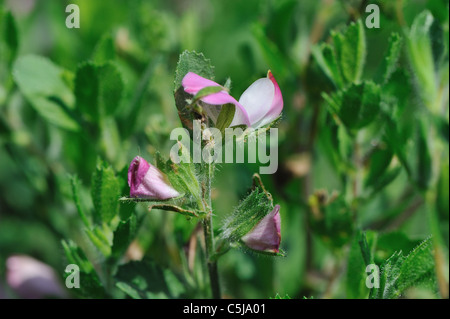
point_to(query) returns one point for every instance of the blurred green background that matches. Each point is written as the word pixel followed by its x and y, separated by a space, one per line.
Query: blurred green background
pixel 243 39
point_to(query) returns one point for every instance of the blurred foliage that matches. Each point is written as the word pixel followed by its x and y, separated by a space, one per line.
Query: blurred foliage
pixel 363 143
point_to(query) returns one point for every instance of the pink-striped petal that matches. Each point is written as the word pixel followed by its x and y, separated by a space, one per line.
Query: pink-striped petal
pixel 193 83
pixel 146 181
pixel 257 99
pixel 262 101
pixel 266 235
pixel 276 106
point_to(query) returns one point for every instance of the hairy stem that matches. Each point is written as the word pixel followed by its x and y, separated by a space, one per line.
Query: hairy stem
pixel 208 231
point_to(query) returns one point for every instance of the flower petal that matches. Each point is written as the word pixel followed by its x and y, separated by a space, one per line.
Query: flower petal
pixel 32 279
pixel 193 83
pixel 276 106
pixel 266 235
pixel 146 181
pixel 154 185
pixel 136 173
pixel 257 99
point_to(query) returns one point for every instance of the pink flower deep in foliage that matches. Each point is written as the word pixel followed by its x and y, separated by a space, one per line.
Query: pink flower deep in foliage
pixel 29 278
pixel 266 235
pixel 146 181
pixel 260 104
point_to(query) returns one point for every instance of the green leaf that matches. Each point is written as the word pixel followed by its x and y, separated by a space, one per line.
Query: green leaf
pixel 75 256
pixel 75 183
pixel 400 273
pixel 443 128
pixel 388 277
pixel 173 205
pixel 105 192
pixel 331 218
pixel 174 208
pixel 388 177
pixel 126 209
pixel 123 236
pixel 389 243
pixel 9 36
pixel 277 296
pixel 87 90
pixel 442 202
pixel 90 284
pixel 98 90
pixel 41 82
pixel 397 93
pixel 325 57
pixel 146 280
pixel 225 117
pixel 272 55
pixel 346 144
pixel 418 268
pixel 423 163
pixel 111 88
pixel 110 140
pixel 390 62
pixel 421 58
pixel 437 35
pixel 105 50
pixel 358 105
pixel 132 111
pixel 443 191
pixel 207 91
pixel 379 162
pixel 396 141
pixel 360 256
pixel 350 49
pixel 191 61
pixel 100 241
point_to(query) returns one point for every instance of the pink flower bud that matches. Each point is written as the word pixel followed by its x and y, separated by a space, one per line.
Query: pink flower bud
pixel 32 279
pixel 146 181
pixel 266 235
pixel 259 105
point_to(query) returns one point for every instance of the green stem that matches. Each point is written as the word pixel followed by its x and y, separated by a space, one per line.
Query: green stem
pixel 433 219
pixel 355 182
pixel 212 264
pixel 208 231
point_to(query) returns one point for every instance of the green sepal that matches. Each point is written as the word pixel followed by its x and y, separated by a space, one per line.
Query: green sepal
pixel 247 214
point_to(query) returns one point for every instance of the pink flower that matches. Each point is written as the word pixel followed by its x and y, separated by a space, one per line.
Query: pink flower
pixel 260 104
pixel 266 235
pixel 146 181
pixel 32 279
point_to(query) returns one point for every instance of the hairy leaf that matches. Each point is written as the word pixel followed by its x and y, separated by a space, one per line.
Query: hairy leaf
pixel 41 83
pixel 105 192
pixel 350 48
pixel 400 273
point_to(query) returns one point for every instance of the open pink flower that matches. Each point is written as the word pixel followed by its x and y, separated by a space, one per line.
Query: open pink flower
pixel 146 181
pixel 266 235
pixel 260 104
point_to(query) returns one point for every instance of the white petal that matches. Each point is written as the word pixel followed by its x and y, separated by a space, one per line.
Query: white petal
pixel 257 99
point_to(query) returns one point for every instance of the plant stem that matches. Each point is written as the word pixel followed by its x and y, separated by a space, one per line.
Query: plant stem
pixel 208 231
pixel 212 265
pixel 433 219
